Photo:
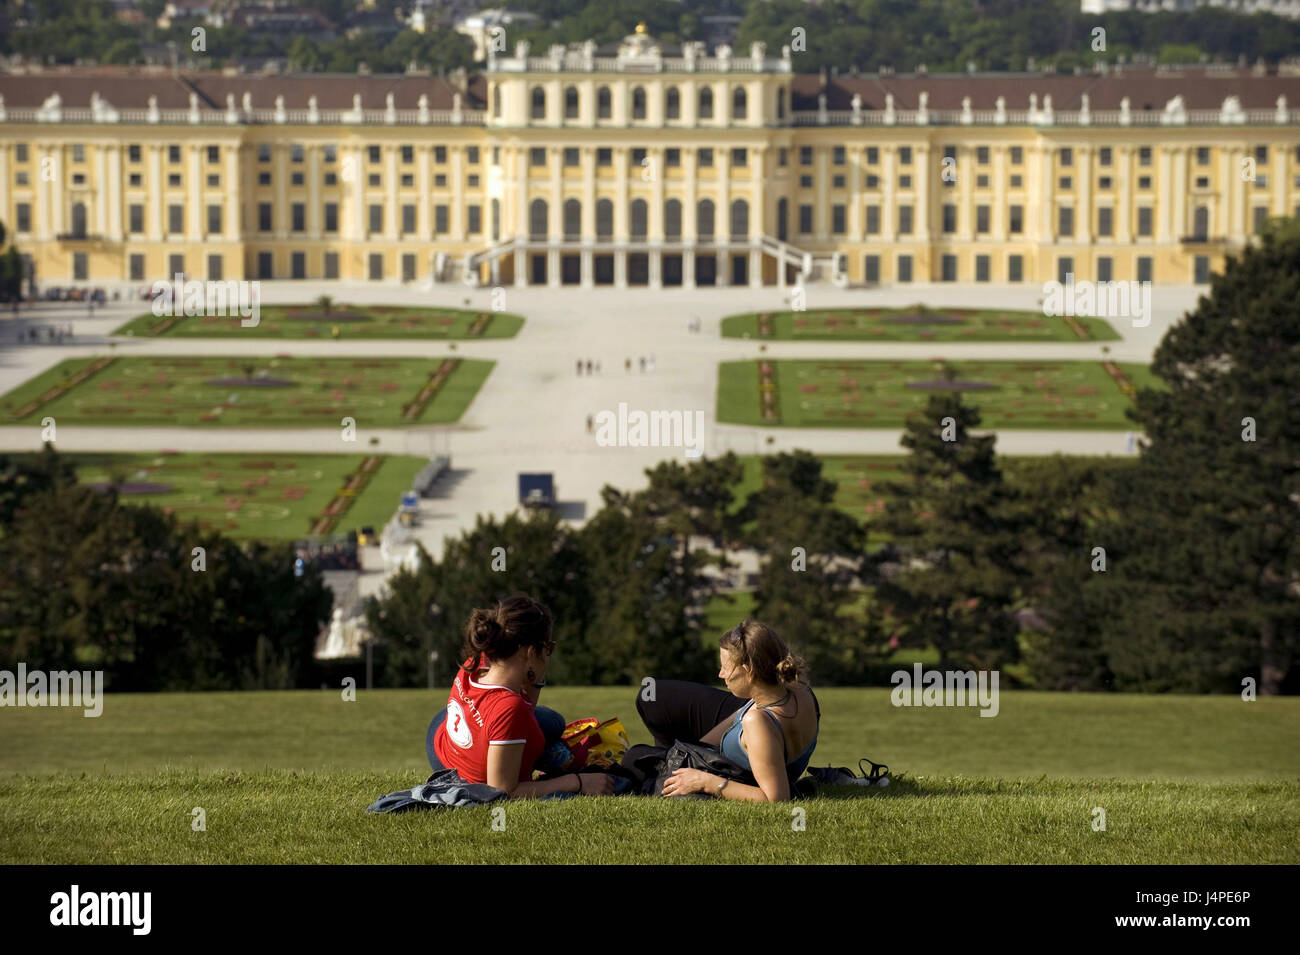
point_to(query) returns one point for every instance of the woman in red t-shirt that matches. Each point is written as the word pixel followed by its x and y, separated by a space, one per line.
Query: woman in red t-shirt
pixel 490 733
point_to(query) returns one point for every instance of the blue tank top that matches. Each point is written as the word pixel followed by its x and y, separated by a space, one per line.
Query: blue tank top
pixel 732 749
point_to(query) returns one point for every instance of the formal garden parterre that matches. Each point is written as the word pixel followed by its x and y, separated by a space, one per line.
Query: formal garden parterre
pixel 916 323
pixel 850 393
pixel 249 392
pixel 333 321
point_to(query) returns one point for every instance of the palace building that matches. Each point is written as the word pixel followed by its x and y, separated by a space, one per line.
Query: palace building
pixel 641 165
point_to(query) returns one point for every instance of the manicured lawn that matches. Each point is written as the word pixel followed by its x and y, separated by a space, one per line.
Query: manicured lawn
pixel 833 393
pixel 252 496
pixel 285 777
pixel 916 323
pixel 349 321
pixel 245 392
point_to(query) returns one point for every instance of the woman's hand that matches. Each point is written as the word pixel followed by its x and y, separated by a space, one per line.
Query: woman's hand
pixel 684 781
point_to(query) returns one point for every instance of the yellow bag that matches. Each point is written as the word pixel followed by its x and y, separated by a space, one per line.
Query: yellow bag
pixel 594 743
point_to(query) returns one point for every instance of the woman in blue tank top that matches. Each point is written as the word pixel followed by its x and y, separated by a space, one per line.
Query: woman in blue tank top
pixel 766 721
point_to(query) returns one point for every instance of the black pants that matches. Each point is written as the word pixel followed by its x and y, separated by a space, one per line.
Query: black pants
pixel 684 711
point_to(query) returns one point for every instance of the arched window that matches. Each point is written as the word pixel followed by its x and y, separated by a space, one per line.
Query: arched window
pixel 539 103
pixel 496 102
pixel 638 103
pixel 537 219
pixel 706 103
pixel 79 219
pixel 604 220
pixel 571 103
pixel 704 221
pixel 1201 222
pixel 782 219
pixel 672 219
pixel 637 219
pixel 602 103
pixel 572 220
pixel 739 219
pixel 739 103
pixel 780 103
pixel 673 104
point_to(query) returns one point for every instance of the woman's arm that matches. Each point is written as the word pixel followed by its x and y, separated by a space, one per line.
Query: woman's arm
pixel 503 773
pixel 766 750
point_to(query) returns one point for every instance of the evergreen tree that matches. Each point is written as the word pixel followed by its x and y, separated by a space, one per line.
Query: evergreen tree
pixel 809 568
pixel 950 577
pixel 1204 553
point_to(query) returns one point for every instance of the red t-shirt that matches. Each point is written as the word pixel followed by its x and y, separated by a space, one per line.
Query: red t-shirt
pixel 479 716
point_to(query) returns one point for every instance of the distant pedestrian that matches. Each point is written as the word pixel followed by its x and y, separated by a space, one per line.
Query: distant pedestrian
pixel 1129 441
pixel 579 367
pixel 642 360
pixel 591 424
pixel 598 367
pixel 652 364
pixel 627 365
pixel 589 366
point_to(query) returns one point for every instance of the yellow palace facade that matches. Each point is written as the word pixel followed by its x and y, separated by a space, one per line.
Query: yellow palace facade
pixel 638 165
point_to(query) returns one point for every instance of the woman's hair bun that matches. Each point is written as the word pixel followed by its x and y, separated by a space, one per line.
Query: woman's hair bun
pixel 788 669
pixel 484 629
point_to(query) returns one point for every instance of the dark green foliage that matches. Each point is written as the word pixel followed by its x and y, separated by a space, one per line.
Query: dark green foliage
pixel 950 577
pixel 1204 549
pixel 807 596
pixel 87 582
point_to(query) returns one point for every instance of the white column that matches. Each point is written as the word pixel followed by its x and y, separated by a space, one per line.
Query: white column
pixel 1047 230
pixel 458 193
pixel 757 208
pixel 621 158
pixel 314 214
pixel 555 221
pixel 966 192
pixel 998 225
pixel 1280 186
pixel 1166 196
pixel 855 193
pixel 656 223
pixel 820 211
pixel 113 226
pixel 1124 214
pixel 889 210
pixel 588 156
pixel 1180 158
pixel 424 211
pixel 359 226
pixel 234 194
pixel 280 153
pixel 1083 212
pixel 1240 196
pixel 391 230
pixel 923 192
pixel 155 186
pixel 100 224
pixel 197 224
pixel 690 219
